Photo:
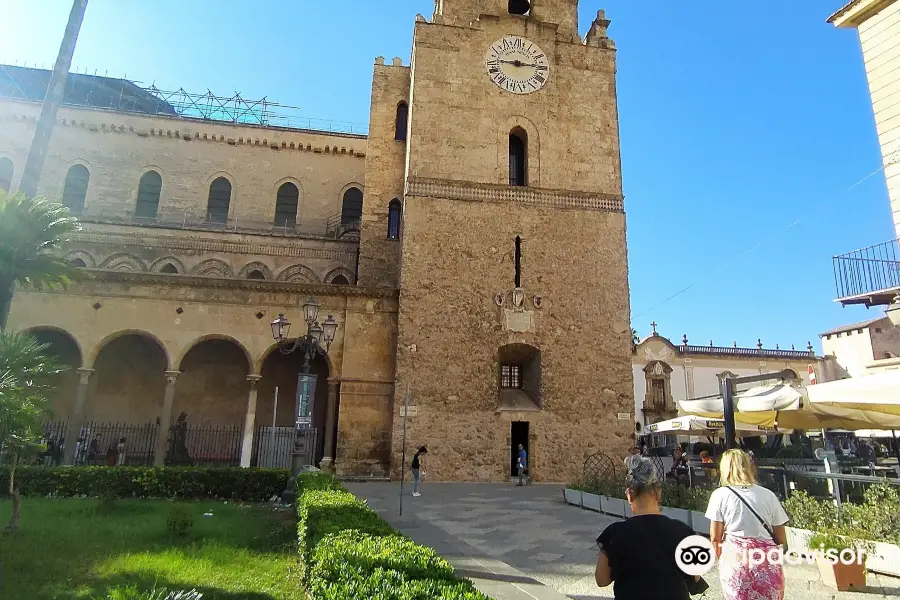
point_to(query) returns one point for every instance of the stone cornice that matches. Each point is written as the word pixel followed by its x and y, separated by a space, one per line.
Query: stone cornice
pixel 203 244
pixel 480 192
pixel 252 285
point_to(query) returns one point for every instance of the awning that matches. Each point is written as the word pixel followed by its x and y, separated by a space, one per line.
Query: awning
pixel 879 392
pixel 695 425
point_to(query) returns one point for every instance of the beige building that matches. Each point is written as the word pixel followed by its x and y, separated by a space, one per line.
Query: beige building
pixel 445 243
pixel 870 275
pixel 857 349
pixel 666 373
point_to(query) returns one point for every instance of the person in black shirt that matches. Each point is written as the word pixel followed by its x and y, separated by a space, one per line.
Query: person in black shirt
pixel 638 555
pixel 418 467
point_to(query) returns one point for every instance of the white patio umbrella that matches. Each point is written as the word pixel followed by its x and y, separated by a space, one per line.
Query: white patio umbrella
pixel 703 426
pixel 789 407
pixel 878 392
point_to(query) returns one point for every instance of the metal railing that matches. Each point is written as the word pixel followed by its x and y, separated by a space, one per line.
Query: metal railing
pixel 868 271
pixel 848 487
pixel 332 227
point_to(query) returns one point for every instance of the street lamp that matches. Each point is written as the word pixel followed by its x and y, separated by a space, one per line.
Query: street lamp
pixel 311 346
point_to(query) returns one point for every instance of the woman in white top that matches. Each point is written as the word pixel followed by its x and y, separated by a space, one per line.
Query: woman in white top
pixel 747 523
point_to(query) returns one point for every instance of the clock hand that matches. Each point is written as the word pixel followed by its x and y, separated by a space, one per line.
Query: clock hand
pixel 517 63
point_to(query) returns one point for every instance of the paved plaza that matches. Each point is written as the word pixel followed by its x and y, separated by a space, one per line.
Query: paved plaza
pixel 526 543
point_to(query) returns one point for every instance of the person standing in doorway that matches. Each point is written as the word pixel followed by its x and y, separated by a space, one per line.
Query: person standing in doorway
pixel 418 468
pixel 121 451
pixel 522 466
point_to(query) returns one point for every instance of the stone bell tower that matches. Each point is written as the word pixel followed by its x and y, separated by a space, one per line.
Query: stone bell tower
pixel 514 311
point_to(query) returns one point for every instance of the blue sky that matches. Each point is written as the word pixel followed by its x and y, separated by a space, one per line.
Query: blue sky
pixel 743 126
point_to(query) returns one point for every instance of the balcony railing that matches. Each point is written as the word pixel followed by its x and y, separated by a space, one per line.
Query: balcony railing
pixel 868 276
pixel 735 351
pixel 333 227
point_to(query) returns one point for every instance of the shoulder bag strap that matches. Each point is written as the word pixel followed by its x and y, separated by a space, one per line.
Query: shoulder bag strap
pixel 755 514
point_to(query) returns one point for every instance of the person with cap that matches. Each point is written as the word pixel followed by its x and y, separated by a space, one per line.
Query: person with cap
pixel 637 555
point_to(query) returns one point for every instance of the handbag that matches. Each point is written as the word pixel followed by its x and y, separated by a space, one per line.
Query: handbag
pixel 755 514
pixel 692 585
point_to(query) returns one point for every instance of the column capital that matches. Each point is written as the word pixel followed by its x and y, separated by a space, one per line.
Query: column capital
pixel 253 379
pixel 171 376
pixel 84 375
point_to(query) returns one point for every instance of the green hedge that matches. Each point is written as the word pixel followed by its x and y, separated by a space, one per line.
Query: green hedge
pixel 250 485
pixel 348 552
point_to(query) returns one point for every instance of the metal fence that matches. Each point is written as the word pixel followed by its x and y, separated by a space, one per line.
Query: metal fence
pixel 846 487
pixel 867 270
pixel 98 443
pixel 274 448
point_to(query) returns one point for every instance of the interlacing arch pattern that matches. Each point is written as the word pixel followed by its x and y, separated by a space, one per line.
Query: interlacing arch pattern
pixel 600 467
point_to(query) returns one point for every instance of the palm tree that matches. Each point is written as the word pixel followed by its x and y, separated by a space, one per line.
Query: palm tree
pixel 32 232
pixel 28 377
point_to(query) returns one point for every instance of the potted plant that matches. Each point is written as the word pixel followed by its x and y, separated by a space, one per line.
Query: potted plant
pixel 572 495
pixel 612 498
pixel 590 497
pixel 674 502
pixel 842 565
pixel 696 500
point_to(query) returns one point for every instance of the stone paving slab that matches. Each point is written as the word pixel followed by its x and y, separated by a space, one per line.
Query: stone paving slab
pixel 525 543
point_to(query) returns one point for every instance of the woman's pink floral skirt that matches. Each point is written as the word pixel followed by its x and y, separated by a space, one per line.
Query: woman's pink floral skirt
pixel 746 571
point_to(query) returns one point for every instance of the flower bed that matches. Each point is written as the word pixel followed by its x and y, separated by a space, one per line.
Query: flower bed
pixel 187 483
pixel 876 522
pixel 348 552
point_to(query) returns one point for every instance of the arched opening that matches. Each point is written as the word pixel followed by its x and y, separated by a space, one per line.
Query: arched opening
pixel 219 201
pixel 6 174
pixel 75 189
pixel 256 274
pixel 286 205
pixel 149 190
pixel 401 122
pixel 340 280
pixel 129 381
pixel 394 212
pixel 519 376
pixel 169 268
pixel 64 349
pixel 519 7
pixel 77 263
pixel 281 371
pixel 518 157
pixel 351 208
pixel 212 388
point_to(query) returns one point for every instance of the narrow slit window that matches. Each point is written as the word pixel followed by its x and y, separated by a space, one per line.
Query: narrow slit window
pixel 518 157
pixel 401 123
pixel 518 262
pixel 394 211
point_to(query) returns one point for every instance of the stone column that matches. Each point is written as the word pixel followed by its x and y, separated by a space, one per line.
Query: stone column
pixel 76 420
pixel 327 463
pixel 165 420
pixel 250 423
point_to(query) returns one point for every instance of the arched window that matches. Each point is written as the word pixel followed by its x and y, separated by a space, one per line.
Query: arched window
pixel 219 201
pixel 6 173
pixel 77 263
pixel 148 195
pixel 255 274
pixel 286 205
pixel 340 280
pixel 394 212
pixel 170 269
pixel 402 119
pixel 351 209
pixel 519 7
pixel 75 190
pixel 518 157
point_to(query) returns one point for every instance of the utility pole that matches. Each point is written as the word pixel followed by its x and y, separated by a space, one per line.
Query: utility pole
pixel 52 100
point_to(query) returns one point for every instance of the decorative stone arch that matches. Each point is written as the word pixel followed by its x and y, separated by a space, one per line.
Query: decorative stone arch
pixel 159 264
pixel 87 259
pixel 533 163
pixel 298 274
pixel 95 351
pixel 251 366
pixel 333 374
pixel 255 266
pixel 123 262
pixel 658 386
pixel 339 201
pixel 212 267
pixel 53 328
pixel 347 273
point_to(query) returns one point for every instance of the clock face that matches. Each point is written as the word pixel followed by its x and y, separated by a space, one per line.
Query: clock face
pixel 517 65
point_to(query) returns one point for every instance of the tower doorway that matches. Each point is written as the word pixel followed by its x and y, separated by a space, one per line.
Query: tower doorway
pixel 518 435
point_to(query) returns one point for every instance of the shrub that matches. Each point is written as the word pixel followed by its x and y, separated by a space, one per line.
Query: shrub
pixel 347 551
pixel 251 485
pixel 876 519
pixel 179 522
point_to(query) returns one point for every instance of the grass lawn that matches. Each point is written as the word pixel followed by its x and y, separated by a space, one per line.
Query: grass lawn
pixel 71 548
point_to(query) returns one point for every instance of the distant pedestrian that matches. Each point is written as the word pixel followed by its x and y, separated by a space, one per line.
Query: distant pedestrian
pixel 121 450
pixel 58 451
pixel 522 466
pixel 94 450
pixel 49 452
pixel 418 468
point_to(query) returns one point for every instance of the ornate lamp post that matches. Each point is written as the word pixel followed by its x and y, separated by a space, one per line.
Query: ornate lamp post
pixel 311 346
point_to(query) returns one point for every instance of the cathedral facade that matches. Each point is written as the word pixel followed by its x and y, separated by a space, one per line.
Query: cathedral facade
pixel 471 247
